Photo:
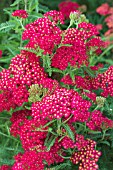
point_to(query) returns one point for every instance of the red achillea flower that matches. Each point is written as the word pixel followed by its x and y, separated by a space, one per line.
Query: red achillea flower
pixel 97 121
pixel 88 30
pixel 87 156
pixel 20 13
pixel 0 53
pixel 62 103
pixel 56 16
pixel 96 44
pixel 67 7
pixel 23 71
pixel 5 167
pixel 105 82
pixel 43 33
pixel 103 9
pixel 34 160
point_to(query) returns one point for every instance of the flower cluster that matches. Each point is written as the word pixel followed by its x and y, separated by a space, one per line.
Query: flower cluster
pixel 55 16
pixel 80 42
pixel 103 9
pixel 5 167
pixel 98 121
pixel 44 33
pixel 23 71
pixel 36 160
pixel 67 7
pixel 31 127
pixel 102 81
pixel 20 13
pixel 62 103
pixel 86 155
pixel 105 82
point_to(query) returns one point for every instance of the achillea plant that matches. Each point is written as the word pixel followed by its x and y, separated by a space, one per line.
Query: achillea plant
pixel 51 90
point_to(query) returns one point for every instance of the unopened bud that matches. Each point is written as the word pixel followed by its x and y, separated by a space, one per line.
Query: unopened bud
pixel 100 101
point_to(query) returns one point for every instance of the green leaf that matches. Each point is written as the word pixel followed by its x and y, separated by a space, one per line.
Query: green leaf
pixel 47 138
pixel 28 107
pixel 64 45
pixel 6 26
pixel 39 15
pixel 43 8
pixel 29 49
pixel 72 75
pixel 61 166
pixel 47 124
pixel 112 144
pixel 5 59
pixel 102 70
pixel 33 6
pixel 89 71
pixel 50 142
pixel 15 2
pixel 94 132
pixel 69 131
pixel 105 142
pixel 56 70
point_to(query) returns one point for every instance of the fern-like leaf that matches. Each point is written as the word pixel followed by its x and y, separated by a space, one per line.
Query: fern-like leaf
pixel 50 142
pixel 6 26
pixel 43 8
pixel 15 2
pixel 69 132
pixel 61 166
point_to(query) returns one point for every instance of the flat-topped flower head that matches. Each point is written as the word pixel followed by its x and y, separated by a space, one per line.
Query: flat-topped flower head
pixel 55 16
pixel 20 13
pixel 67 7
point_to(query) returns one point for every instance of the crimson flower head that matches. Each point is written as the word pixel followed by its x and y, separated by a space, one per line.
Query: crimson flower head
pixel 20 13
pixel 67 7
pixel 0 53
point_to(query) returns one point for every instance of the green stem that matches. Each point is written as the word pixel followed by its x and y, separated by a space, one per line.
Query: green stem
pixel 4 118
pixel 36 1
pixel 49 123
pixel 23 28
pixel 8 136
pixel 109 48
pixel 96 108
pixel 1 67
pixel 104 134
pixel 25 1
pixel 67 119
pixel 64 156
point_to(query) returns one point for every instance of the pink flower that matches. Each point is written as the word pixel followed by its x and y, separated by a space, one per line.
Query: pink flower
pixel 20 13
pixel 103 9
pixel 99 27
pixel 109 21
